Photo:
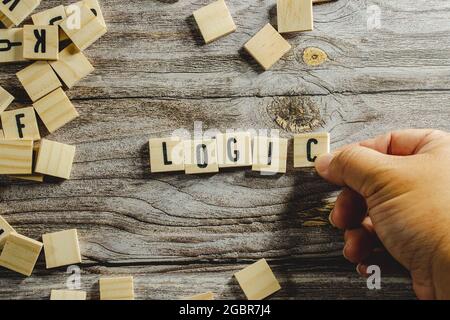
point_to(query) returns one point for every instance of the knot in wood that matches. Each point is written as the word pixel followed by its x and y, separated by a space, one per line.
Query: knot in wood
pixel 314 56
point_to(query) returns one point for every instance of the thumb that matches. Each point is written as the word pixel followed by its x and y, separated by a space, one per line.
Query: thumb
pixel 355 167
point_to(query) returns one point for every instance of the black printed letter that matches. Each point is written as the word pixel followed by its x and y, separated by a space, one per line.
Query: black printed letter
pixel 20 125
pixel 230 152
pixel 41 40
pixel 308 149
pixel 14 4
pixel 167 162
pixel 201 150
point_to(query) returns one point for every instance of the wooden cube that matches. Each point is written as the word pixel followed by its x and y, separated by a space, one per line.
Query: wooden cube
pixel 40 42
pixel 214 21
pixel 5 21
pixel 5 231
pixel 166 154
pixel 202 296
pixel 269 154
pixel 234 149
pixel 35 177
pixel 267 47
pixel 68 295
pixel 11 45
pixel 200 156
pixel 55 110
pixel 17 10
pixel 294 15
pixel 116 288
pixel 16 156
pixel 20 254
pixel 61 248
pixel 94 6
pixel 55 159
pixel 5 99
pixel 89 31
pixel 38 80
pixel 72 66
pixel 257 281
pixel 20 124
pixel 307 147
pixel 51 17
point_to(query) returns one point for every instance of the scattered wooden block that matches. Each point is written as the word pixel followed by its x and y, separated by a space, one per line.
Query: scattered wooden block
pixel 116 288
pixel 11 45
pixel 94 6
pixel 55 110
pixel 257 281
pixel 202 296
pixel 89 31
pixel 51 17
pixel 35 177
pixel 166 154
pixel 20 254
pixel 5 231
pixel 17 10
pixel 6 22
pixel 38 80
pixel 5 99
pixel 234 149
pixel 16 156
pixel 214 21
pixel 40 42
pixel 68 295
pixel 55 159
pixel 307 147
pixel 61 248
pixel 72 66
pixel 20 124
pixel 200 156
pixel 294 15
pixel 267 47
pixel 269 154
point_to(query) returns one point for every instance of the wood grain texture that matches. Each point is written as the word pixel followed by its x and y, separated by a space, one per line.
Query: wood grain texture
pixel 154 75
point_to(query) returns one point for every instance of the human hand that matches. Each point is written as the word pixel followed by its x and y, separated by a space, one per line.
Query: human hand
pixel 397 191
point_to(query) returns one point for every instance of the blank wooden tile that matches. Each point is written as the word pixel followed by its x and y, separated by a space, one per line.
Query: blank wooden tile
pixel 17 10
pixel 267 47
pixel 214 21
pixel 5 230
pixel 120 288
pixel 166 154
pixel 68 295
pixel 16 156
pixel 234 149
pixel 61 248
pixel 200 156
pixel 257 281
pixel 91 29
pixel 269 154
pixel 202 296
pixel 307 147
pixel 55 110
pixel 52 17
pixel 11 45
pixel 35 177
pixel 5 21
pixel 55 159
pixel 294 15
pixel 5 99
pixel 20 124
pixel 72 66
pixel 38 80
pixel 20 254
pixel 40 42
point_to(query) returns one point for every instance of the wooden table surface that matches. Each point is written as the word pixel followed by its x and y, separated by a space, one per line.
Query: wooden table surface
pixel 179 235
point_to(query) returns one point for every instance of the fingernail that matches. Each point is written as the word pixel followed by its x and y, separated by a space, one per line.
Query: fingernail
pixel 343 252
pixel 358 269
pixel 323 162
pixel 330 218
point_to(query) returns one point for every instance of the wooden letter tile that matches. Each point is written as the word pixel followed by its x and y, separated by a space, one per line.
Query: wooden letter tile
pixel 49 17
pixel 55 159
pixel 214 21
pixel 5 230
pixel 35 177
pixel 16 156
pixel 116 288
pixel 38 79
pixel 257 281
pixel 267 47
pixel 269 154
pixel 94 6
pixel 5 99
pixel 11 45
pixel 294 15
pixel 20 124
pixel 166 154
pixel 68 295
pixel 55 110
pixel 17 10
pixel 20 254
pixel 307 147
pixel 200 156
pixel 72 66
pixel 40 42
pixel 202 296
pixel 61 248
pixel 234 149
